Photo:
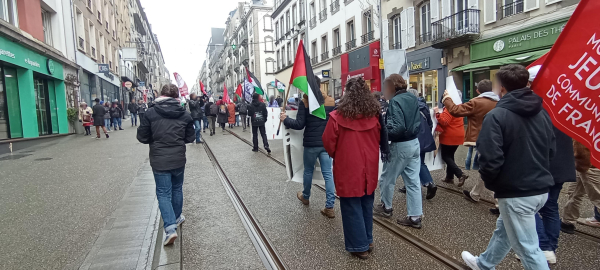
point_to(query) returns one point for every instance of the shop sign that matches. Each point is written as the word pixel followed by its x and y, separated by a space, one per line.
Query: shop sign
pixel 142 84
pixel 103 68
pixel 381 66
pixel 537 38
pixel 128 84
pixel 325 73
pixel 419 64
pixel 16 54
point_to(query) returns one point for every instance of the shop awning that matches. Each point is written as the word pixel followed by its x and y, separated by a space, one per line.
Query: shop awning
pixel 515 59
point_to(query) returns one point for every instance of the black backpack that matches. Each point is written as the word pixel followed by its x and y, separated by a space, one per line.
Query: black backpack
pixel 214 109
pixel 243 108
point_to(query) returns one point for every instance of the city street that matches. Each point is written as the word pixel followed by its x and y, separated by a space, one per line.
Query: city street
pixel 82 203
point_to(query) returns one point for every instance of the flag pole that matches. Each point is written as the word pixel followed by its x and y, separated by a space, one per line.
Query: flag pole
pixel 284 105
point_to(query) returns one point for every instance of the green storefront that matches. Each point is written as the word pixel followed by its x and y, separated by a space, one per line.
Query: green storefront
pixel 519 47
pixel 32 93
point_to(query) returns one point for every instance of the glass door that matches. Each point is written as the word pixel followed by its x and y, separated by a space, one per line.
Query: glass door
pixel 41 103
pixel 462 18
pixel 3 110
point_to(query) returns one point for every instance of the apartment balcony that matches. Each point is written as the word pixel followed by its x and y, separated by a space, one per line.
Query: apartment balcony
pixel 325 56
pixel 337 50
pixel 323 15
pixel 424 38
pixel 350 44
pixel 314 60
pixel 459 28
pixel 368 37
pixel 335 6
pixel 313 22
pixel 513 8
pixel 127 75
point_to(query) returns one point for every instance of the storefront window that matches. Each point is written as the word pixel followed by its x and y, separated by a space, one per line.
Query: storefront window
pixel 3 111
pixel 426 83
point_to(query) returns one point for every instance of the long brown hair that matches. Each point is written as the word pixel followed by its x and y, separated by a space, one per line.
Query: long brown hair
pixel 358 101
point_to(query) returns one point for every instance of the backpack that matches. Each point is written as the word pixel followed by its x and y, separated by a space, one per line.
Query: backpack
pixel 243 108
pixel 214 109
pixel 222 109
pixel 425 137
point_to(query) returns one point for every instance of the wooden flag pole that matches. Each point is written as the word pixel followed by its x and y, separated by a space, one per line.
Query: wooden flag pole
pixel 284 105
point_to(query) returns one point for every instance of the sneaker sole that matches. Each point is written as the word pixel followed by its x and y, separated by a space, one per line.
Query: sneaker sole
pixel 170 240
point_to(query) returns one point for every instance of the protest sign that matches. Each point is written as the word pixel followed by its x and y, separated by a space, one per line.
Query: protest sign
pixel 453 91
pixel 272 124
pixel 569 79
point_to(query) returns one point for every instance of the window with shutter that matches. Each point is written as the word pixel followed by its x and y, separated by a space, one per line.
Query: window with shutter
pixel 404 29
pixel 473 4
pixel 446 8
pixel 410 18
pixel 435 10
pixel 397 33
pixel 385 38
pixel 489 11
pixel 531 5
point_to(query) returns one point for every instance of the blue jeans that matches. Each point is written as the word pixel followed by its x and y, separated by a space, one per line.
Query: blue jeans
pixel 357 220
pixel 107 124
pixel 134 118
pixel 310 158
pixel 475 161
pixel 198 129
pixel 115 121
pixel 547 221
pixel 515 228
pixel 237 119
pixel 405 161
pixel 424 174
pixel 170 196
pixel 205 122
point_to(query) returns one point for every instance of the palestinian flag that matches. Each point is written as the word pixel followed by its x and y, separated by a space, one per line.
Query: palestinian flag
pixel 238 91
pixel 255 83
pixel 279 85
pixel 303 78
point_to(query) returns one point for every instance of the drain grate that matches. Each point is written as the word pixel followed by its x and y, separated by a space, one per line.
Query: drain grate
pixel 13 157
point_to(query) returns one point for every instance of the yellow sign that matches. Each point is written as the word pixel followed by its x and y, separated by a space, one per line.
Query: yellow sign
pixel 380 63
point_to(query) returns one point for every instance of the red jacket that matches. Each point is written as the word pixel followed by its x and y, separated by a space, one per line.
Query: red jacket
pixel 453 128
pixel 354 147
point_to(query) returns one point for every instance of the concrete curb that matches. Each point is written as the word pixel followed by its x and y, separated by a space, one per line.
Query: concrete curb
pixel 167 257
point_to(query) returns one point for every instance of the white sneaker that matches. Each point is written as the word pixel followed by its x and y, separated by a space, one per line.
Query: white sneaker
pixel 180 220
pixel 591 221
pixel 470 260
pixel 170 239
pixel 550 257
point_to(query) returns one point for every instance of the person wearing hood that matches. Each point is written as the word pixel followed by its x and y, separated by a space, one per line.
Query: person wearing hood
pixel 258 114
pixel 353 137
pixel 211 110
pixel 167 127
pixel 516 145
pixel 403 123
pixel 312 141
pixel 85 117
pixel 196 113
pixel 475 110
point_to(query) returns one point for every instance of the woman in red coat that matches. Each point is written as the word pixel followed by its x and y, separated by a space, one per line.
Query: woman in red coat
pixel 451 136
pixel 353 137
pixel 231 117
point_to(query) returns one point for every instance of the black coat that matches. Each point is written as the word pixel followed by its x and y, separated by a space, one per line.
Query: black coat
pixel 133 108
pixel 258 113
pixel 115 112
pixel 313 126
pixel 207 109
pixel 562 166
pixel 142 108
pixel 516 145
pixel 167 127
pixel 196 110
pixel 98 115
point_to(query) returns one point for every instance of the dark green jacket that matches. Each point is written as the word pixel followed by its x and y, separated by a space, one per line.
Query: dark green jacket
pixel 402 118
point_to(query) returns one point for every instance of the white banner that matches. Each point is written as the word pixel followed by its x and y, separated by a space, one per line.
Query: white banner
pixel 183 89
pixel 394 61
pixel 273 123
pixel 433 159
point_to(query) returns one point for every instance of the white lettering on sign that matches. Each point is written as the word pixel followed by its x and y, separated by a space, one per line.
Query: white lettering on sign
pixel 32 63
pixel 356 76
pixel 516 41
pixel 7 53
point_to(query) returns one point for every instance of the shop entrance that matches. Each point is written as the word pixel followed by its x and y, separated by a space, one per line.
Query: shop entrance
pixel 45 104
pixel 426 83
pixel 10 108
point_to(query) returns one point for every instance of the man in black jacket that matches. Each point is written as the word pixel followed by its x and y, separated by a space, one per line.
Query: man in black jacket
pixel 133 110
pixel 167 127
pixel 197 115
pixel 258 113
pixel 313 148
pixel 516 145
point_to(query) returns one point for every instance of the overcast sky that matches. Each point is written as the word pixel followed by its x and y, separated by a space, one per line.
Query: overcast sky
pixel 183 30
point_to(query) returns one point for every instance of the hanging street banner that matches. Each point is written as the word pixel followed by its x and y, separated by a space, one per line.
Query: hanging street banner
pixel 248 90
pixel 183 89
pixel 569 80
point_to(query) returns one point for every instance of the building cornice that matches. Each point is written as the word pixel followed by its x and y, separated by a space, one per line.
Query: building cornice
pixel 280 8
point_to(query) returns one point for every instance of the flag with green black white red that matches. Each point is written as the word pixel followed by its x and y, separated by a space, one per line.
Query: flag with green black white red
pixel 255 83
pixel 303 78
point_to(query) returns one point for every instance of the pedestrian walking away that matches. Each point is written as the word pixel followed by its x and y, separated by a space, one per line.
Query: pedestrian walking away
pixel 475 110
pixel 353 137
pixel 133 110
pixel 98 116
pixel 243 109
pixel 166 128
pixel 427 144
pixel 222 113
pixel 196 113
pixel 231 114
pixel 403 123
pixel 211 110
pixel 452 134
pixel 312 141
pixel 85 117
pixel 516 145
pixel 258 113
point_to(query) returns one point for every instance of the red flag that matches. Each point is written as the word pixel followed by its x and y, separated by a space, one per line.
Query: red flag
pixel 202 88
pixel 183 89
pixel 225 95
pixel 238 91
pixel 570 76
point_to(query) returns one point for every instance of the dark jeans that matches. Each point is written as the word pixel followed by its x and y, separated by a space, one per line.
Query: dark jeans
pixel 170 196
pixel 198 129
pixel 547 221
pixel 115 122
pixel 448 157
pixel 357 220
pixel 243 120
pixel 205 122
pixel 133 118
pixel 424 174
pixel 263 134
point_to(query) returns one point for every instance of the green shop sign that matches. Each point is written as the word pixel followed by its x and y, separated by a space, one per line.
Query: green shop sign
pixel 531 39
pixel 18 55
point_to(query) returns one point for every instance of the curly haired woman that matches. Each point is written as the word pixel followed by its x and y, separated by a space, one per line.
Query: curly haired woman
pixel 353 137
